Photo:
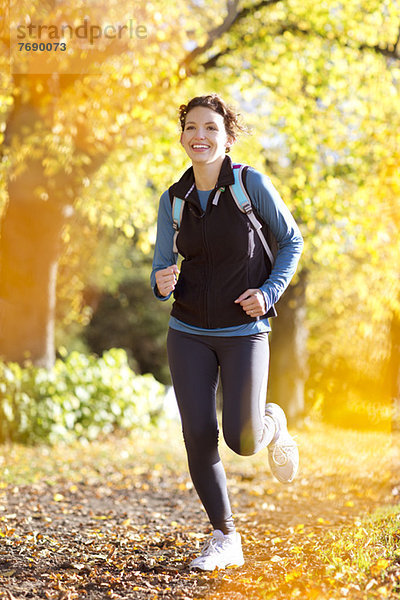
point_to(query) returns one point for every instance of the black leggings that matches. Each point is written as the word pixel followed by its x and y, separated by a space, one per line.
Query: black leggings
pixel 195 362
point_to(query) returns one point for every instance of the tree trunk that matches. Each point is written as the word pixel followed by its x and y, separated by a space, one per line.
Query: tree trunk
pixel 31 227
pixel 29 250
pixel 288 366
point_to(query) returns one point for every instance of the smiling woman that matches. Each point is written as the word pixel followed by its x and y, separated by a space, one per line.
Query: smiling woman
pixel 219 325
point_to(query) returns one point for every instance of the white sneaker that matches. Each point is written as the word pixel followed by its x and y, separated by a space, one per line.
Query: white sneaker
pixel 283 454
pixel 220 551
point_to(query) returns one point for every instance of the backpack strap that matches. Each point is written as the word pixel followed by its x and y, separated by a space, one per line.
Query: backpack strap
pixel 177 210
pixel 244 204
pixel 242 201
pixel 178 204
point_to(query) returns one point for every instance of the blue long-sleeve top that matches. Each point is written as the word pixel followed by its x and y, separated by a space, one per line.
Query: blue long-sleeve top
pixel 270 206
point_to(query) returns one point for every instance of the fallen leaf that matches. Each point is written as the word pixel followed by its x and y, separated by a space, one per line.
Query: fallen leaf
pixel 370 584
pixel 58 497
pixel 276 558
pixel 383 592
pixel 379 566
pixel 294 574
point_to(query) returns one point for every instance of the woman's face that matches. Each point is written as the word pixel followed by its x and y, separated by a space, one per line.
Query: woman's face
pixel 204 136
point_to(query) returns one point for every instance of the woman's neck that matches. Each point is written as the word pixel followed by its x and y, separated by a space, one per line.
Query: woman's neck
pixel 206 175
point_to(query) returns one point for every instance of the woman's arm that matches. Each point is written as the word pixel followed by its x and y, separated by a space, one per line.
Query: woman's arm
pixel 275 213
pixel 164 257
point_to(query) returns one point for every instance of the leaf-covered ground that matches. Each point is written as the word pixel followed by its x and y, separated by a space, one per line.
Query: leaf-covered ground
pixel 120 519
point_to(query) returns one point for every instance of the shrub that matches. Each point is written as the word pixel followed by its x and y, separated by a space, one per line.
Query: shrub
pixel 81 397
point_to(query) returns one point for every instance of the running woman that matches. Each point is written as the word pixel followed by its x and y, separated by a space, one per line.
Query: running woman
pixel 224 293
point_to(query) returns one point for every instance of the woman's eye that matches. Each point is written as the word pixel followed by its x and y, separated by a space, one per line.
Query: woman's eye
pixel 209 127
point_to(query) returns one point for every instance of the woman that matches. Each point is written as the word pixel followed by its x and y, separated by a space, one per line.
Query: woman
pixel 219 321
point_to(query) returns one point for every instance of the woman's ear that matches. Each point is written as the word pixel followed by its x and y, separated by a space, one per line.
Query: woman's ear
pixel 229 143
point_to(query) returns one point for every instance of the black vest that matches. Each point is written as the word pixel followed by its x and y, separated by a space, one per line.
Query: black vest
pixel 222 256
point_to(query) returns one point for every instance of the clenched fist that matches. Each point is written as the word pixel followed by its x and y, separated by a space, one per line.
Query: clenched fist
pixel 166 279
pixel 253 303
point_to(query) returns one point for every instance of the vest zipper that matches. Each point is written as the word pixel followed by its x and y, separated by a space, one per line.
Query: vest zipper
pixel 205 302
pixel 209 259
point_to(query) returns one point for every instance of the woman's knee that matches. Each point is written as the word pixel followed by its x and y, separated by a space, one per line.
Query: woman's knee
pixel 200 439
pixel 242 443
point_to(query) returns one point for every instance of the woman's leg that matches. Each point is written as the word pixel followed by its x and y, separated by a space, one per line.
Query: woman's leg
pixel 244 374
pixel 249 423
pixel 194 370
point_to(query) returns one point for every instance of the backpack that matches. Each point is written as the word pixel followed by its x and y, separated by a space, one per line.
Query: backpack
pixel 243 202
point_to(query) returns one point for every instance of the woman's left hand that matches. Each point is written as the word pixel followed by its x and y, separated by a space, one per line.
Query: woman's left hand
pixel 253 303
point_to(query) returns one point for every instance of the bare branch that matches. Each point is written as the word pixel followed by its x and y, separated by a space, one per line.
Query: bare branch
pixel 233 17
pixel 213 35
pixel 386 49
pixel 397 41
pixel 389 50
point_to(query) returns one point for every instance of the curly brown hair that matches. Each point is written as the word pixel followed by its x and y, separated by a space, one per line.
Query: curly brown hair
pixel 232 119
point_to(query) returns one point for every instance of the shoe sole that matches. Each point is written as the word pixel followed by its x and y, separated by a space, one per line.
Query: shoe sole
pixel 228 566
pixel 285 480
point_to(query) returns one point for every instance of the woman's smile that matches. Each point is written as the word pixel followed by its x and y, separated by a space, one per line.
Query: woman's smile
pixel 200 147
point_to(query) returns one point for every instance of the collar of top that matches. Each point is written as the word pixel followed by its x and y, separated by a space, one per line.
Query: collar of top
pixel 185 188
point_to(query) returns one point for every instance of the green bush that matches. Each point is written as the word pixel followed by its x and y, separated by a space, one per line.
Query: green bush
pixel 81 397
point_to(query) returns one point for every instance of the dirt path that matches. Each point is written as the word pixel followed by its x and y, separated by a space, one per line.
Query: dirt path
pixel 120 519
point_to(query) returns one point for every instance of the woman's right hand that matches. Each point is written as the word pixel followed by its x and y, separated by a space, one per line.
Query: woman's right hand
pixel 166 279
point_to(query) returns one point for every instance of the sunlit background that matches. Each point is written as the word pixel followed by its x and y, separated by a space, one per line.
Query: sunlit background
pixel 90 141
